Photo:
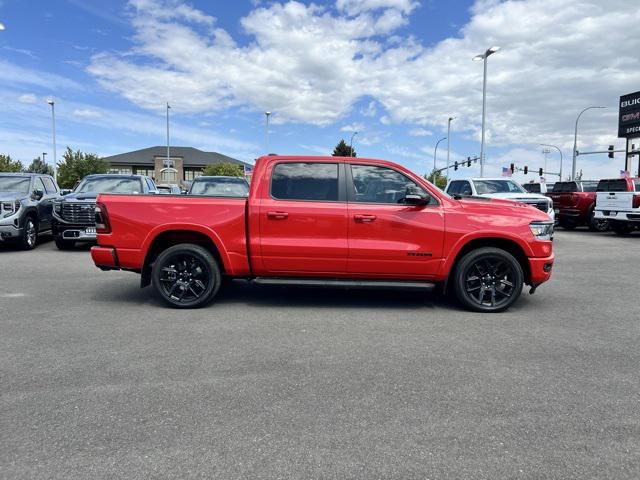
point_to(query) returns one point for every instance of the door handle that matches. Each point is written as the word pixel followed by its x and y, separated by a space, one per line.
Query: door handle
pixel 277 215
pixel 364 218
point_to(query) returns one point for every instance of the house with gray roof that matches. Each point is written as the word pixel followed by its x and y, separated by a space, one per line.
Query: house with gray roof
pixel 183 164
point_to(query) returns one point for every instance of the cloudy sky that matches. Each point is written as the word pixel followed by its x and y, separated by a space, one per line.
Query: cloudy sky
pixel 392 70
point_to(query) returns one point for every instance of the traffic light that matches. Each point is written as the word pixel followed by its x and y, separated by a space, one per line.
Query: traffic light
pixel 610 151
pixel 468 161
pixel 513 167
pixel 540 172
pixel 455 166
pixel 526 169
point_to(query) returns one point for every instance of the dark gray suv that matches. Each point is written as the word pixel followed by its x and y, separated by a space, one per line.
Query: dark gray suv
pixel 26 207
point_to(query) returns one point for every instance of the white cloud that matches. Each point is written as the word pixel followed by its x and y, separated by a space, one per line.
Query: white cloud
pixel 27 98
pixel 311 64
pixel 354 127
pixel 86 113
pixel 370 110
pixel 12 75
pixel 420 132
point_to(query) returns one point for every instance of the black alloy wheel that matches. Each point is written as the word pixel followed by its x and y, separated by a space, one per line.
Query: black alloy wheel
pixel 186 276
pixel 29 237
pixel 595 224
pixel 488 280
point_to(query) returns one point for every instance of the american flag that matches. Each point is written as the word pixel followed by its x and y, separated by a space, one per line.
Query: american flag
pixel 506 172
pixel 248 170
pixel 624 174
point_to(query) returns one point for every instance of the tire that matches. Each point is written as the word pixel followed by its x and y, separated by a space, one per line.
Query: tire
pixel 29 238
pixel 185 276
pixel 567 224
pixel 596 225
pixel 494 274
pixel 64 244
pixel 621 228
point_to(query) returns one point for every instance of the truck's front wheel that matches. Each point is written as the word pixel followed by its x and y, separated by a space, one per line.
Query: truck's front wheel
pixel 186 276
pixel 488 280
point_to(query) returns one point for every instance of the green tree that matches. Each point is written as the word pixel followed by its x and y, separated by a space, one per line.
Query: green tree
pixel 38 166
pixel 437 178
pixel 343 150
pixel 7 164
pixel 224 169
pixel 76 165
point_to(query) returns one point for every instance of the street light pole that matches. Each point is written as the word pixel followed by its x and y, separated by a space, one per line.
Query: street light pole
pixel 483 57
pixel 575 143
pixel 266 133
pixel 435 151
pixel 448 140
pixel 53 124
pixel 559 151
pixel 168 165
pixel 351 143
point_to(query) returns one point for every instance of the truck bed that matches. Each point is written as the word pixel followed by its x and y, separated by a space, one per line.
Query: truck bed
pixel 138 221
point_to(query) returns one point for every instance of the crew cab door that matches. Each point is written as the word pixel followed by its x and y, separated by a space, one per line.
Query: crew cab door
pixel 303 219
pixel 388 237
pixel 45 204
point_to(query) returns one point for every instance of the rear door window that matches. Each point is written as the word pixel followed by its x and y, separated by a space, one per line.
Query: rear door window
pixel 305 181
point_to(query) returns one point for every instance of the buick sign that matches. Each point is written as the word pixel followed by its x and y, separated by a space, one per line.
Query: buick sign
pixel 629 118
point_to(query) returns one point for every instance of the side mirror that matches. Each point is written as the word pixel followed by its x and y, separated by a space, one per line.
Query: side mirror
pixel 37 194
pixel 65 191
pixel 413 196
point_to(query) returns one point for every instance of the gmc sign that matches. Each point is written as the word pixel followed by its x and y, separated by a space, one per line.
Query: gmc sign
pixel 629 117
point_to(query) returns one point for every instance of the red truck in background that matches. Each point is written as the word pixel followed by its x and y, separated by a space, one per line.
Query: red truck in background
pixel 574 203
pixel 330 221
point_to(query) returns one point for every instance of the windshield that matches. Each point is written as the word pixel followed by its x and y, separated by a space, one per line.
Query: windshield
pixel 14 184
pixel 484 187
pixel 220 187
pixel 110 185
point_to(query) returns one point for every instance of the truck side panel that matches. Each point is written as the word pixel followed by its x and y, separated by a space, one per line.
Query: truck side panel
pixel 136 221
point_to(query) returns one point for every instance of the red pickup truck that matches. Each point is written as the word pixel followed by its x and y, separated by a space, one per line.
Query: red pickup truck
pixel 574 203
pixel 329 221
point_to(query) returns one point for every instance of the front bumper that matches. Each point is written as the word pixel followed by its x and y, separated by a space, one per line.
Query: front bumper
pixel 9 231
pixel 540 269
pixel 78 233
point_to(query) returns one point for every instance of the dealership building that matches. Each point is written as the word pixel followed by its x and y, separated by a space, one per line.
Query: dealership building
pixel 183 164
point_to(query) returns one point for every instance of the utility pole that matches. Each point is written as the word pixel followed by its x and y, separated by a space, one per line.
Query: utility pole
pixel 575 143
pixel 351 143
pixel 483 57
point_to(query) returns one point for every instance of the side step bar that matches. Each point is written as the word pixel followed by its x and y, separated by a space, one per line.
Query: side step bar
pixel 346 283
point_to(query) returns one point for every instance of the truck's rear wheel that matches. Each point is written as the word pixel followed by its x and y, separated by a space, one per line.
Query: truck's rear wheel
pixel 186 276
pixel 596 224
pixel 488 280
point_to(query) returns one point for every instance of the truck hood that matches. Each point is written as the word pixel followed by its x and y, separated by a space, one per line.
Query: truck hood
pixel 516 196
pixel 503 207
pixel 11 196
pixel 80 197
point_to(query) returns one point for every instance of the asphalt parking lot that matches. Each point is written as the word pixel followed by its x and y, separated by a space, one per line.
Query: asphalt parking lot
pixel 98 380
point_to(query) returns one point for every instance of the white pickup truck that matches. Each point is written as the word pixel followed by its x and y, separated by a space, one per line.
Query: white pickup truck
pixel 618 201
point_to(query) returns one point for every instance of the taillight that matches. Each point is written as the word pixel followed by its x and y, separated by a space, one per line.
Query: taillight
pixel 102 219
pixel 636 200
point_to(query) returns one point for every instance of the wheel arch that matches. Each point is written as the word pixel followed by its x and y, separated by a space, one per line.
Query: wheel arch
pixel 164 238
pixel 508 244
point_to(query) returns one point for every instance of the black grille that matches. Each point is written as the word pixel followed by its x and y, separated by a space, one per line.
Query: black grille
pixel 544 206
pixel 79 213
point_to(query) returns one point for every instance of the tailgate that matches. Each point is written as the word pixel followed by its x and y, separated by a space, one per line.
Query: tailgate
pixel 614 201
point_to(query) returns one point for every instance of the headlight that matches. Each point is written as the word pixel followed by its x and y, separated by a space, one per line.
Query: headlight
pixel 9 208
pixel 57 206
pixel 542 230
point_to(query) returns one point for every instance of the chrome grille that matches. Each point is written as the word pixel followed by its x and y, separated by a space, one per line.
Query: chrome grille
pixel 79 213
